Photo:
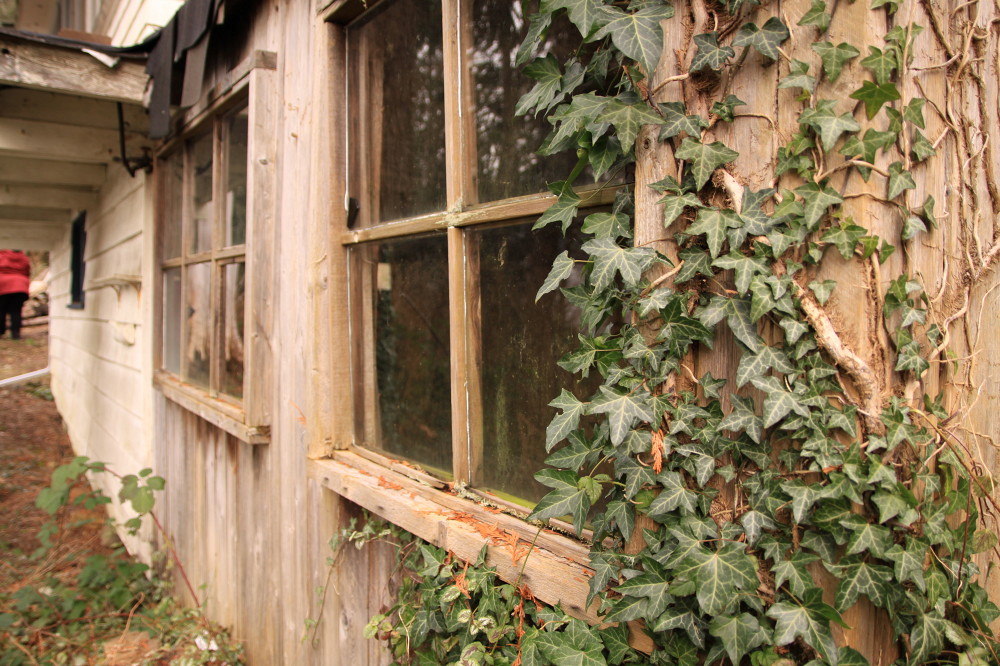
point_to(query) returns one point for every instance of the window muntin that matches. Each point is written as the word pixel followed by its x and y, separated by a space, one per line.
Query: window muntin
pixel 204 185
pixel 493 379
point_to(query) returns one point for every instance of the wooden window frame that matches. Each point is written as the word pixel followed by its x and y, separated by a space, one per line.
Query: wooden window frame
pixel 251 85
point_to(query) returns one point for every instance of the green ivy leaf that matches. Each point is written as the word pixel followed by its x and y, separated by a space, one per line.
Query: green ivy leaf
pixel 611 259
pixel 920 148
pixel 900 180
pixel 798 77
pixel 766 39
pixel 673 496
pixel 564 499
pixel 874 95
pixel 756 365
pixel 795 572
pixel 674 205
pixel 721 575
pixel 817 16
pixel 638 35
pixel 808 619
pixel 865 536
pixel 891 5
pixel 586 15
pixel 563 210
pixel 675 121
pixel 845 237
pixel 816 201
pixel 623 410
pixel 547 92
pixel 714 223
pixel 743 419
pixel 745 268
pixel 538 24
pixel 692 625
pixel 566 422
pixel 603 155
pixel 739 634
pixel 696 262
pixel 755 522
pixel 704 159
pixel 908 562
pixel 628 119
pixel 927 637
pixel 652 585
pixel 881 64
pixel 825 122
pixel 857 578
pixel 607 225
pixel 726 109
pixel 803 498
pixel 823 290
pixel 562 268
pixel 576 646
pixel 913 226
pixel 834 57
pixel 710 55
pixel 636 475
pixel 866 147
pixel 914 112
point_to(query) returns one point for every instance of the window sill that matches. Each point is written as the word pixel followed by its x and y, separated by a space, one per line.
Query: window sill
pixel 555 568
pixel 218 412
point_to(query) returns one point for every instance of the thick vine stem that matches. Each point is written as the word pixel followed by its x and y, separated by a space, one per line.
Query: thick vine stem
pixel 864 378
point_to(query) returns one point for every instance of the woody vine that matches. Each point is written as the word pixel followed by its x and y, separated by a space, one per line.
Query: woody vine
pixel 745 517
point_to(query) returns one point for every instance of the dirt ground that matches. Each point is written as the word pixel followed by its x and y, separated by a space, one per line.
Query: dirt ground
pixel 32 444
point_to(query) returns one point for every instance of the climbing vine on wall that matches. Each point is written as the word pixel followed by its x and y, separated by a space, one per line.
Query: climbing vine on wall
pixel 731 504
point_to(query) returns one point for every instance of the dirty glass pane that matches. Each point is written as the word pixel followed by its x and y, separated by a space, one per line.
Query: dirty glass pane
pixel 173 204
pixel 233 290
pixel 198 324
pixel 505 143
pixel 412 368
pixel 521 342
pixel 236 178
pixel 396 84
pixel 201 223
pixel 172 320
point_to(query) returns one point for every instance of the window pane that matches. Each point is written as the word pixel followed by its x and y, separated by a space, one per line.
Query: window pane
pixel 397 111
pixel 236 179
pixel 521 342
pixel 198 323
pixel 201 227
pixel 172 320
pixel 233 286
pixel 173 207
pixel 505 144
pixel 411 349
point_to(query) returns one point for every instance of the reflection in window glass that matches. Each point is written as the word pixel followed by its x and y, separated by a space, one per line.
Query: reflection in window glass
pixel 236 179
pixel 172 320
pixel 521 342
pixel 397 111
pixel 233 290
pixel 201 227
pixel 505 143
pixel 173 213
pixel 198 324
pixel 411 351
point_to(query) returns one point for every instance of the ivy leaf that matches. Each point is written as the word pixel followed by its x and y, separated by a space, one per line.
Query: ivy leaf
pixel 564 500
pixel 927 637
pixel 743 419
pixel 726 108
pixel 825 121
pixel 563 210
pixel 547 92
pixel 674 205
pixel 745 267
pixel 866 147
pixel 565 647
pixel 704 159
pixel 857 578
pixel 720 576
pixel 798 77
pixel 803 498
pixel 562 268
pixel 914 112
pixel 537 25
pixel 566 422
pixel 808 619
pixel 710 385
pixel 628 119
pixel 755 522
pixel 675 121
pixel 571 118
pixel 675 618
pixel 762 298
pixel 816 201
pixel 794 329
pixel 571 456
pixel 818 17
pixel 679 330
pixel 606 225
pixel 756 365
pixel 823 290
pixel 603 154
pixel 610 259
pixel 636 475
pixel 586 15
pixel 714 223
pixel 881 64
pixel 709 53
pixel 794 571
pixel 845 237
pixel 738 634
pixel 900 180
pixel 696 262
pixel 865 536
pixel 891 5
pixel 766 39
pixel 834 57
pixel 673 496
pixel 623 514
pixel 908 563
pixel 653 585
pixel 740 323
pixel 623 410
pixel 920 147
pixel 874 95
pixel 911 228
pixel 638 35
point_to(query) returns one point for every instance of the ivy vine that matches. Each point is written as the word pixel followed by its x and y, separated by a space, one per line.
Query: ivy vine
pixel 733 503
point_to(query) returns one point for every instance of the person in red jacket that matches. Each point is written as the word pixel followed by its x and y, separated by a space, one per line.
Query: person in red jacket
pixel 15 276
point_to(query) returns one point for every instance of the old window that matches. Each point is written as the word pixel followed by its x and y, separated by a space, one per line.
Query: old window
pixel 454 363
pixel 77 265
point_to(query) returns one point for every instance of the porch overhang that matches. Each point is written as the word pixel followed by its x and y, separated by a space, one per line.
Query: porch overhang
pixel 61 131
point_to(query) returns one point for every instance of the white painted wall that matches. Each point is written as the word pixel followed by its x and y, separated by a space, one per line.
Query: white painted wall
pixel 132 21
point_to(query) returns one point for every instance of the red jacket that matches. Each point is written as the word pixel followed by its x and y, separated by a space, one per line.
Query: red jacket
pixel 15 272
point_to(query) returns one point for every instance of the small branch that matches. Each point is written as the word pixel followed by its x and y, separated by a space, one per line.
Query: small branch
pixel 848 164
pixel 733 188
pixel 669 79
